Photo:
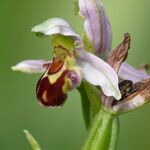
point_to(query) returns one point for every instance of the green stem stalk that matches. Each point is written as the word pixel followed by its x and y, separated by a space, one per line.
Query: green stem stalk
pixel 86 109
pixel 114 134
pixel 91 104
pixel 102 132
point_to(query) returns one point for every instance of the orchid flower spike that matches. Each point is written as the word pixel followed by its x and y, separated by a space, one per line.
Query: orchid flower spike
pixel 70 64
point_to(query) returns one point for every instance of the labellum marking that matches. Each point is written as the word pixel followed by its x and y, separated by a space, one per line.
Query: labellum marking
pixel 56 66
pixel 47 65
pixel 52 94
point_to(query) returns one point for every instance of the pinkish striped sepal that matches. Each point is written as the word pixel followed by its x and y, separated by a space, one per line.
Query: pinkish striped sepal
pixel 96 26
pixel 128 72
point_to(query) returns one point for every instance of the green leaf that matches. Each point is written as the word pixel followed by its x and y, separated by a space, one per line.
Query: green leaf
pixel 34 144
pixel 94 96
pixel 86 108
pixel 91 104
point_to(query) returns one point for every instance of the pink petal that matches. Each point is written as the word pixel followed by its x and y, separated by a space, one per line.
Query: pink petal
pixel 98 72
pixel 96 25
pixel 128 72
pixel 55 26
pixel 30 66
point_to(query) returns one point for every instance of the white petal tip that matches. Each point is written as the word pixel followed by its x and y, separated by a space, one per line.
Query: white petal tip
pixel 20 69
pixel 54 26
pixel 118 97
pixel 114 93
pixel 98 72
pixel 17 68
pixel 13 68
pixel 30 66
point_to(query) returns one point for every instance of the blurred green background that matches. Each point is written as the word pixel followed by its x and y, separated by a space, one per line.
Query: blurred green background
pixel 62 128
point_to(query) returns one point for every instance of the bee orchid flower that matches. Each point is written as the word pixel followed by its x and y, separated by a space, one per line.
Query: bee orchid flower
pixel 111 86
pixel 70 64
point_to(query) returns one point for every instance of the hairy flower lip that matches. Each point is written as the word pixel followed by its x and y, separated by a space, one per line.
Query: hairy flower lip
pixel 46 91
pixel 58 79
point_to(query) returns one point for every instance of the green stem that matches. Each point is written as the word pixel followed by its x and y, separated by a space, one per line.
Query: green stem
pixel 86 110
pixel 94 97
pixel 114 134
pixel 100 135
pixel 91 104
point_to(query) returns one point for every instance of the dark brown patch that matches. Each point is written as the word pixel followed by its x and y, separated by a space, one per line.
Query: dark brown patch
pixel 140 88
pixel 51 94
pixel 125 88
